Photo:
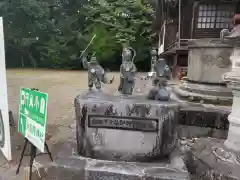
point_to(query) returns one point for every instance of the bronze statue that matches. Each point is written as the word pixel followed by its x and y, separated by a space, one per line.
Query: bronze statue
pixel 96 74
pixel 153 59
pixel 152 72
pixel 127 71
pixel 159 91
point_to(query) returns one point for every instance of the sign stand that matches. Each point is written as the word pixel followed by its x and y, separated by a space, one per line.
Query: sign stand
pixel 33 152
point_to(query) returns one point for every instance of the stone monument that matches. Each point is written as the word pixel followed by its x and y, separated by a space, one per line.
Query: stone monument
pixel 204 97
pixel 221 159
pixel 122 137
pixel 136 133
pixel 208 59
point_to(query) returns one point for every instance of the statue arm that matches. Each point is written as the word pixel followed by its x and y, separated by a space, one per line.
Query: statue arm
pixel 134 68
pixel 85 63
pixel 121 70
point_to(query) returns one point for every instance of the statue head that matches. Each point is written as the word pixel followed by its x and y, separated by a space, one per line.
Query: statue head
pixel 126 54
pixel 153 52
pixel 93 60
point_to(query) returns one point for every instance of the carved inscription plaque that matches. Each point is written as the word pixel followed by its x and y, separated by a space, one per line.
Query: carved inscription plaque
pixel 125 123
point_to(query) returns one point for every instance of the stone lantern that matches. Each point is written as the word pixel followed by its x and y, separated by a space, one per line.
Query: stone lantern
pixel 233 81
pixel 215 158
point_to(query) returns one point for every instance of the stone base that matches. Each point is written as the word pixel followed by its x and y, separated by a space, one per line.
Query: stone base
pixel 76 168
pixel 209 159
pixel 125 128
pixel 203 93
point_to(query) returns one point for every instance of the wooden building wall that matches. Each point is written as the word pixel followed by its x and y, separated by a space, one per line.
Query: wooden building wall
pixel 186 21
pixel 190 20
pixel 171 31
pixel 217 16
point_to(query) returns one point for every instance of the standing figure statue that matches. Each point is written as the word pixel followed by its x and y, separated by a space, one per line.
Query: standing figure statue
pixel 96 74
pixel 159 91
pixel 153 63
pixel 127 71
pixel 153 59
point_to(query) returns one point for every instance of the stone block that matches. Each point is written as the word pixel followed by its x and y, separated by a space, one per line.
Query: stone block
pixel 127 128
pixel 76 167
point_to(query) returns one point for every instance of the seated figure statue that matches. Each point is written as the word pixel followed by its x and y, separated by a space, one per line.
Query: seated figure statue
pixel 96 74
pixel 159 91
pixel 127 72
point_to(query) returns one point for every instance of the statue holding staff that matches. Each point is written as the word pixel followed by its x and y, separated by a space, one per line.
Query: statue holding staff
pixel 96 74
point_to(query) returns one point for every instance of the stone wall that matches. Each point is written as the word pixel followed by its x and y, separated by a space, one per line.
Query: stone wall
pixel 203 122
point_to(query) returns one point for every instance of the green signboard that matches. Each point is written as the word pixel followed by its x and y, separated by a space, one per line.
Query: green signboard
pixel 33 116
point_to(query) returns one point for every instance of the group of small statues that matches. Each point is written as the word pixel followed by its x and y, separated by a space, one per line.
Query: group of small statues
pixel 97 75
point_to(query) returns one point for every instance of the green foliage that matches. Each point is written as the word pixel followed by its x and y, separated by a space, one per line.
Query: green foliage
pixel 43 34
pixel 124 22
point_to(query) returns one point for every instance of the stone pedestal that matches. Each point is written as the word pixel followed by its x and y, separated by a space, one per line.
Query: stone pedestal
pixel 208 60
pixel 125 128
pixel 76 168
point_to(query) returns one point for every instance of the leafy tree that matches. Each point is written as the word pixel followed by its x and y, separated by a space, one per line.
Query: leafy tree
pixel 122 22
pixel 25 21
pixel 52 33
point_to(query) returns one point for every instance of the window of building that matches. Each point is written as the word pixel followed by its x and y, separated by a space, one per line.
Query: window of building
pixel 215 16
